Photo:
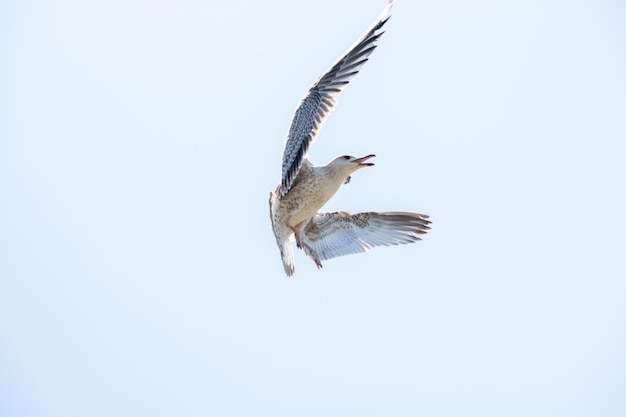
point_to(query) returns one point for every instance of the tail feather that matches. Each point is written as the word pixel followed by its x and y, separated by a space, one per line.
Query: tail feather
pixel 283 240
pixel 286 253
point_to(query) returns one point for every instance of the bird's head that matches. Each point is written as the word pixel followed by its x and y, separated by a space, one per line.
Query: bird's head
pixel 346 165
pixel 350 163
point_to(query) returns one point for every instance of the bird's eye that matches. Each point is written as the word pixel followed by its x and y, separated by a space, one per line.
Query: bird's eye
pixel 346 157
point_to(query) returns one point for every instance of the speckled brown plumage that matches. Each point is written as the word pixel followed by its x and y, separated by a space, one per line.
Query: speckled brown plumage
pixel 304 188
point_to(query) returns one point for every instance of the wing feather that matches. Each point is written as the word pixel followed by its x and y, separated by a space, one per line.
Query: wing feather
pixel 337 234
pixel 320 100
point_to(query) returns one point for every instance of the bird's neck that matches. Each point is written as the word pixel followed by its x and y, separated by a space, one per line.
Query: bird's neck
pixel 333 177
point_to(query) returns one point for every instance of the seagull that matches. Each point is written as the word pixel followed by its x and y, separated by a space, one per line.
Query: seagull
pixel 305 188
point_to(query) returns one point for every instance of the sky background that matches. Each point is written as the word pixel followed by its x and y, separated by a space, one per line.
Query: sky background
pixel 139 276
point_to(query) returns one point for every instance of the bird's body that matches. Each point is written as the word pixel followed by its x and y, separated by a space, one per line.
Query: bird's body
pixel 305 188
pixel 311 189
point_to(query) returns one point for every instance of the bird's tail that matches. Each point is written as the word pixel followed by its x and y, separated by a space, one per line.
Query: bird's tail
pixel 286 254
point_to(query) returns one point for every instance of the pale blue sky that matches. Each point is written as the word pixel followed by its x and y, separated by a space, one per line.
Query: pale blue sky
pixel 139 141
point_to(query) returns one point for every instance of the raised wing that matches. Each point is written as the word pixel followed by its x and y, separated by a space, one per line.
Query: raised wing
pixel 321 99
pixel 337 234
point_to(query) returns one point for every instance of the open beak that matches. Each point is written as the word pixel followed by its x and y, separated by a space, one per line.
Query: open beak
pixel 361 161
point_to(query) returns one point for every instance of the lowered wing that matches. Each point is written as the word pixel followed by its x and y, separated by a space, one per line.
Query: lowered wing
pixel 337 234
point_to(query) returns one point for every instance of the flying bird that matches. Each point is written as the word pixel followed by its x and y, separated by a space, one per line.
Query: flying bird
pixel 305 188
